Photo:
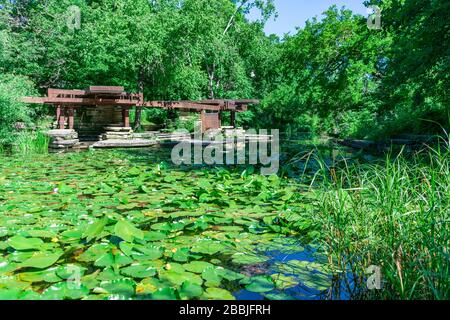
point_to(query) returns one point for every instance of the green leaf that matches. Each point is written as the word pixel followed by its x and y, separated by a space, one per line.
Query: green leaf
pixel 49 276
pixel 260 284
pixel 218 294
pixel 65 290
pixel 143 253
pixel 164 294
pixel 41 260
pixel 197 266
pixel 190 290
pixel 177 278
pixel 208 247
pixel 22 243
pixel 212 277
pixel 94 229
pixel 139 271
pixel 154 236
pixel 105 260
pixel 128 231
pixel 124 287
pixel 248 258
pixel 10 294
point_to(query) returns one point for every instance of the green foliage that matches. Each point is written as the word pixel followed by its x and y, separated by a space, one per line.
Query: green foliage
pixel 333 76
pixel 328 69
pixel 171 50
pixel 12 110
pixel 392 214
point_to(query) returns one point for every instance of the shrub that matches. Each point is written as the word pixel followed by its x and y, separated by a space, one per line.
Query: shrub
pixel 12 110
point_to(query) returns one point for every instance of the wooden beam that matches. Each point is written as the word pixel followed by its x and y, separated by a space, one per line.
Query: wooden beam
pixel 81 101
pixel 183 105
pixel 116 90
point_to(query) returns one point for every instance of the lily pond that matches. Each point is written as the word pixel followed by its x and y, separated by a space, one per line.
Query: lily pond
pixel 124 224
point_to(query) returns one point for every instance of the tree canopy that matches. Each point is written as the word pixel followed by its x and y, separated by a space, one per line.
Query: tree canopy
pixel 335 75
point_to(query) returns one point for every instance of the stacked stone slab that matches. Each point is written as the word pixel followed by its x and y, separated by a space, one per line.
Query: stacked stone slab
pixel 117 133
pixel 149 135
pixel 63 138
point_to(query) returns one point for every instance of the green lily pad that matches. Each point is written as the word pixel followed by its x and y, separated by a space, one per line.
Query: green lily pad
pixel 149 285
pixel 105 260
pixel 217 294
pixel 190 290
pixel 41 260
pixel 49 276
pixel 208 247
pixel 177 278
pixel 143 253
pixel 284 282
pixel 154 236
pixel 139 271
pixel 65 290
pixel 22 243
pixel 127 231
pixel 123 287
pixel 94 229
pixel 248 258
pixel 229 274
pixel 8 294
pixel 260 284
pixel 212 277
pixel 45 234
pixel 164 294
pixel 69 271
pixel 181 255
pixel 197 266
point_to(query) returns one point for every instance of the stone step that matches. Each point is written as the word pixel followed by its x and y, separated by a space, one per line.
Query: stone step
pixel 119 133
pixel 62 134
pixel 119 129
pixel 65 142
pixel 116 137
pixel 134 143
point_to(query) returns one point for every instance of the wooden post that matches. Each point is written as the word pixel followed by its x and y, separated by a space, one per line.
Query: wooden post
pixel 233 119
pixel 71 120
pixel 126 116
pixel 58 113
pixel 62 118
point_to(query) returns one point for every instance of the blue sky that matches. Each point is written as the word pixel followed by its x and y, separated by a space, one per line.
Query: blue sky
pixel 294 13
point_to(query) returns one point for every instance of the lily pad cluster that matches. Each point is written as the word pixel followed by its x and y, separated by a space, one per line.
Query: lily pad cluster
pixel 108 225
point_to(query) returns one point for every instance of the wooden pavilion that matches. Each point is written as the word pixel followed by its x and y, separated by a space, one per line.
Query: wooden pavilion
pixel 98 107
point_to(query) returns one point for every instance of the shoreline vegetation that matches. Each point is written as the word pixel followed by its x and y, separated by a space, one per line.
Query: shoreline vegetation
pixel 394 215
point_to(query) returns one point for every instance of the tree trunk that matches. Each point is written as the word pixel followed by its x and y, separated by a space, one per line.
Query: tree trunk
pixel 138 115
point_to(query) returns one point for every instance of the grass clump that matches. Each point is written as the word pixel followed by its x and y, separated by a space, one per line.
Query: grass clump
pixel 393 214
pixel 30 143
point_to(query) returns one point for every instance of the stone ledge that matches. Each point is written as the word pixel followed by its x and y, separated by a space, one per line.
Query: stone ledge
pixel 135 143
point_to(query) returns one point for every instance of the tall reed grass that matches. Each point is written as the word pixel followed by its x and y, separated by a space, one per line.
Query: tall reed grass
pixel 29 143
pixel 393 214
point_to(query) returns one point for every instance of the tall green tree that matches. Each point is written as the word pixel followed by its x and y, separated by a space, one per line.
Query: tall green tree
pixel 417 76
pixel 329 68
